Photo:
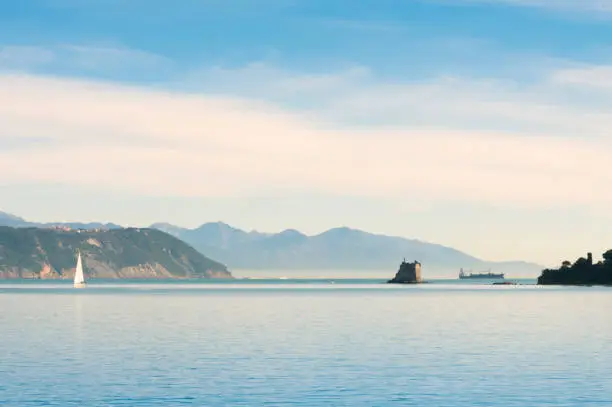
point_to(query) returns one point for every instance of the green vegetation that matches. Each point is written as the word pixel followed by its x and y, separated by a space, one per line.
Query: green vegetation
pixel 114 253
pixel 582 272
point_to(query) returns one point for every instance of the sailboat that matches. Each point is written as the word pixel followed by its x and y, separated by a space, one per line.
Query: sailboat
pixel 79 279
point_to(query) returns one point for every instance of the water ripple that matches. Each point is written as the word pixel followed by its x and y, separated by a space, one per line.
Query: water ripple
pixel 361 345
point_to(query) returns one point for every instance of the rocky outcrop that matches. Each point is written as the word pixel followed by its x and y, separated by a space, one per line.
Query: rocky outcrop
pixel 145 271
pixel 44 253
pixel 408 273
pixel 48 273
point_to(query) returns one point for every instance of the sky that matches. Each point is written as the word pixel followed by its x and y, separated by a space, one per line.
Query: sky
pixel 478 124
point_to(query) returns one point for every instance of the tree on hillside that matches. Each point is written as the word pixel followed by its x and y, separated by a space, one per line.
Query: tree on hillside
pixel 581 263
pixel 607 256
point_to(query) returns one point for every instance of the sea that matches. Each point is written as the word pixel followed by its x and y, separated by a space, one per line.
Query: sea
pixel 304 342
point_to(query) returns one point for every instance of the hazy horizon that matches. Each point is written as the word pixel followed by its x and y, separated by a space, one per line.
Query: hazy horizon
pixel 381 274
pixel 549 263
pixel 275 272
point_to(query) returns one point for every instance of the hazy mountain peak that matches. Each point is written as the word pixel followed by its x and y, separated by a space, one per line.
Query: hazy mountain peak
pixel 8 216
pixel 343 231
pixel 168 228
pixel 8 219
pixel 163 224
pixel 217 225
pixel 291 232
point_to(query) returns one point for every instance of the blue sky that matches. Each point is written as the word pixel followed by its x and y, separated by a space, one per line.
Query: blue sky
pixel 483 125
pixel 403 40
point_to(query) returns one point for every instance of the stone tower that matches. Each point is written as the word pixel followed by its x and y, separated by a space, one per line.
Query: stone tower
pixel 417 271
pixel 408 273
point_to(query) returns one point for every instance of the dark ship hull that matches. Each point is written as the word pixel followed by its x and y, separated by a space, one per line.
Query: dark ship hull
pixel 481 276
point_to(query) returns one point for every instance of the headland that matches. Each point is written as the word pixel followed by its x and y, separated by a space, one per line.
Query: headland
pixel 582 272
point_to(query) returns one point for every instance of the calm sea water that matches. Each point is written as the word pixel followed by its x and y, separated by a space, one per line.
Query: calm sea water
pixel 304 343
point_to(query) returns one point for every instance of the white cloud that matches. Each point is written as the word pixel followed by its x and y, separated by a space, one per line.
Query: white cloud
pixel 258 80
pixel 591 77
pixel 156 142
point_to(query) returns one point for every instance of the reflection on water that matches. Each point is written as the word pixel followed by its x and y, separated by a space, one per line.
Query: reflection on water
pixel 353 343
pixel 78 325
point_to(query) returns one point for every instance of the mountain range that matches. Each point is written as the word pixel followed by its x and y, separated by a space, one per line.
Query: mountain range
pixel 340 248
pixel 7 219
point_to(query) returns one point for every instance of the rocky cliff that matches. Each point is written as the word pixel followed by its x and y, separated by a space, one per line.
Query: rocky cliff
pixel 46 253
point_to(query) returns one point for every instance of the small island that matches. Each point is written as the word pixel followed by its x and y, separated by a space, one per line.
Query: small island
pixel 408 273
pixel 582 272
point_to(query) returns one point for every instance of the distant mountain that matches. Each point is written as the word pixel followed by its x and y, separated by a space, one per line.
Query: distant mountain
pixel 45 253
pixel 336 249
pixel 6 219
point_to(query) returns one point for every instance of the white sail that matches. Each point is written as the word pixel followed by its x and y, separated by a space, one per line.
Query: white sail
pixel 79 279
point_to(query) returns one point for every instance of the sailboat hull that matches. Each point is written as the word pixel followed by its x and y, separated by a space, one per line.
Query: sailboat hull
pixel 79 285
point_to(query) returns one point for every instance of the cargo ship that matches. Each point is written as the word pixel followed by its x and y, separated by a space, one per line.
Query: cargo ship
pixel 487 275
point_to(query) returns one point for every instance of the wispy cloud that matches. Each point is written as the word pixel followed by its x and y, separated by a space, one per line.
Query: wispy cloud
pixel 368 26
pixel 189 145
pixel 81 59
pixel 107 58
pixel 24 57
pixel 593 78
pixel 155 9
pixel 562 5
pixel 554 105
